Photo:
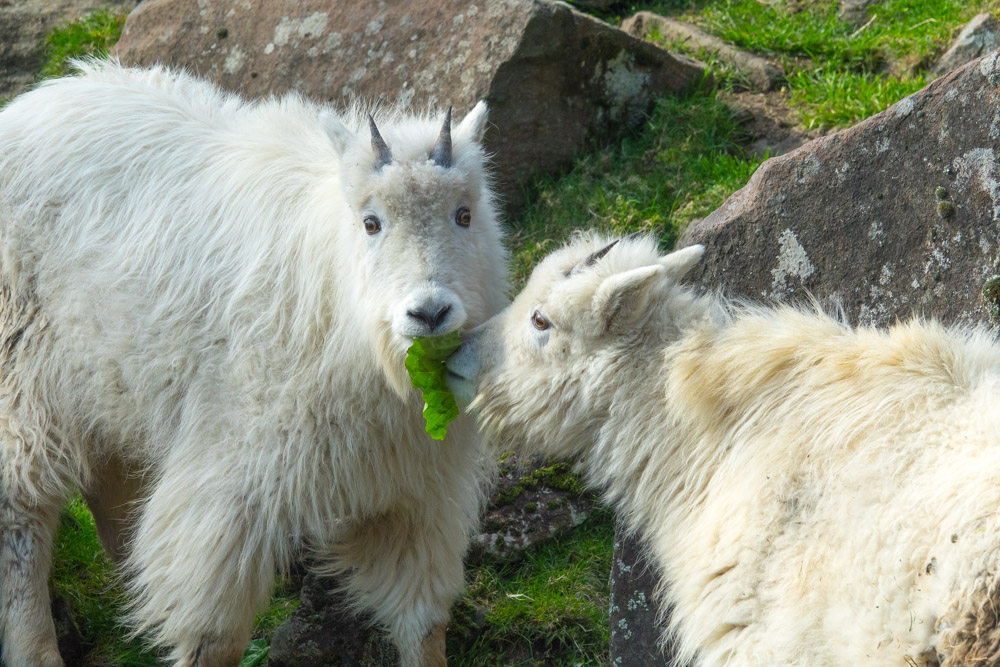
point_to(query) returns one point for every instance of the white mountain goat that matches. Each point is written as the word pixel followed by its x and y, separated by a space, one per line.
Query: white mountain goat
pixel 811 494
pixel 206 304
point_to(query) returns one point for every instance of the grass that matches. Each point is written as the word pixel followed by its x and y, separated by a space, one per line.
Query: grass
pixel 551 608
pixel 838 73
pixel 686 161
pixel 93 34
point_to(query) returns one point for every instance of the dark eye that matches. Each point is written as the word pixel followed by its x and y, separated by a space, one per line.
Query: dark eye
pixel 539 322
pixel 372 224
pixel 463 217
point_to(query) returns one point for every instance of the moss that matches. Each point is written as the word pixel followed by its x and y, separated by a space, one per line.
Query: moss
pixel 991 297
pixel 940 193
pixel 93 34
pixel 945 210
pixel 530 507
pixel 557 476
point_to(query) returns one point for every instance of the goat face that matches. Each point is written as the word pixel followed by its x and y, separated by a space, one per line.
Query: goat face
pixel 547 368
pixel 426 239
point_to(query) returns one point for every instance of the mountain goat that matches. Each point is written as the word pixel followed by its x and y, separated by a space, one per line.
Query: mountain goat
pixel 205 305
pixel 811 494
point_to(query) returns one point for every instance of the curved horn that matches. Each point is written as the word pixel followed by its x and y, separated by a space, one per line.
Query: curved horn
pixel 382 154
pixel 441 155
pixel 592 258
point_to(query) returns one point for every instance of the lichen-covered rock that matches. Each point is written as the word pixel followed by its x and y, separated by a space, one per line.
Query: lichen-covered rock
pixel 534 500
pixel 636 631
pixel 895 216
pixel 24 24
pixel 899 214
pixel 979 36
pixel 555 79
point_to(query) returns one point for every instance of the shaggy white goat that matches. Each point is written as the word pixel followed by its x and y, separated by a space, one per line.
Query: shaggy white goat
pixel 811 494
pixel 204 308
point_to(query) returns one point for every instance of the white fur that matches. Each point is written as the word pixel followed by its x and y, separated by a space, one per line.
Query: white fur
pixel 811 494
pixel 196 330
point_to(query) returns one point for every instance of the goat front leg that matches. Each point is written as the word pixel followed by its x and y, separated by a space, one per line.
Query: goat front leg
pixel 407 570
pixel 200 563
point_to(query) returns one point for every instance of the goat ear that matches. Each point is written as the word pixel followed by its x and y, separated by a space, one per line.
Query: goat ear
pixel 473 126
pixel 679 262
pixel 621 297
pixel 335 129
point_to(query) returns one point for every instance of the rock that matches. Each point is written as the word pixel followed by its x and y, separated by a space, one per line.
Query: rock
pixel 979 36
pixel 767 120
pixel 897 215
pixel 636 634
pixel 25 24
pixel 856 11
pixel 762 74
pixel 556 79
pixel 68 635
pixel 323 630
pixel 534 500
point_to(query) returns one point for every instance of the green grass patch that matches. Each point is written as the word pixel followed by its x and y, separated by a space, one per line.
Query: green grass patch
pixel 683 165
pixel 838 73
pixel 828 97
pixel 551 608
pixel 83 575
pixel 94 34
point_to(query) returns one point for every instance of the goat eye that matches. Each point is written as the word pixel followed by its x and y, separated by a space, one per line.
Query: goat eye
pixel 372 224
pixel 463 217
pixel 539 322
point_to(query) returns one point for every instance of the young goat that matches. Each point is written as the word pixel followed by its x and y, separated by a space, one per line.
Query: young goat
pixel 204 308
pixel 811 494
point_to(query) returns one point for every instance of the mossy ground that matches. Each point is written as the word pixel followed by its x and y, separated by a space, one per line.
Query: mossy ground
pixel 550 608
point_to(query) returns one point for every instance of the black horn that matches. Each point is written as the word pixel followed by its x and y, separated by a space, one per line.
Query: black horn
pixel 383 155
pixel 441 155
pixel 592 258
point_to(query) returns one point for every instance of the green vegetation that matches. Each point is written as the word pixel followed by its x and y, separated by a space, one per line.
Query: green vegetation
pixel 838 72
pixel 683 165
pixel 551 608
pixel 94 34
pixel 425 365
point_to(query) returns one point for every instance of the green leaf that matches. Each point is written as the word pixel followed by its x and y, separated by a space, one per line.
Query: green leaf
pixel 425 364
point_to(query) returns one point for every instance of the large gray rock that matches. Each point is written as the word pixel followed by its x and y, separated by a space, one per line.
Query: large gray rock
pixel 24 25
pixel 556 79
pixel 979 36
pixel 895 216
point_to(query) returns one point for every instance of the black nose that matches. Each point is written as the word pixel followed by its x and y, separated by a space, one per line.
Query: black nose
pixel 432 320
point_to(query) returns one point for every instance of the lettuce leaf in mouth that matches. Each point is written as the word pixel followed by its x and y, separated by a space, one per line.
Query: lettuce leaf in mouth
pixel 425 364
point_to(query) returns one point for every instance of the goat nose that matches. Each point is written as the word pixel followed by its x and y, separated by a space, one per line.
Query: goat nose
pixel 431 319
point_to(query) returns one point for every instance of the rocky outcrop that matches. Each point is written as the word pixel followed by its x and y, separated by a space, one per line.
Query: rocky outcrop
pixel 979 36
pixel 762 74
pixel 897 215
pixel 534 500
pixel 556 79
pixel 24 25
